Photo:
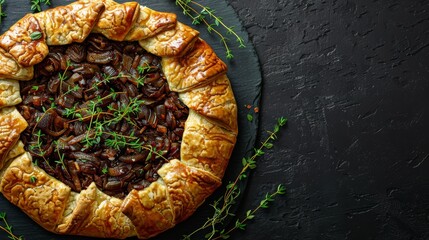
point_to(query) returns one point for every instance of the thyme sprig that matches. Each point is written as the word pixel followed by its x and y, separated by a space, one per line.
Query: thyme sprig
pixel 250 214
pixel 2 14
pixel 223 206
pixel 36 5
pixel 208 16
pixel 8 228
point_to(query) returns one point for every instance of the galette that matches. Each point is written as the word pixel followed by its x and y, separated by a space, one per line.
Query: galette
pixel 115 120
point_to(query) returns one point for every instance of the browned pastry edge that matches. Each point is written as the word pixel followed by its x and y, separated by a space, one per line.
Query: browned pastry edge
pixel 171 43
pixel 12 70
pixel 72 23
pixel 150 23
pixel 116 21
pixel 198 67
pixel 209 137
pixel 11 126
pixel 9 93
pixel 39 195
pixel 215 101
pixel 19 43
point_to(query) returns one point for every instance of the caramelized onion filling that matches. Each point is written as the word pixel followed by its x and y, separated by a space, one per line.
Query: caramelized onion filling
pixel 101 111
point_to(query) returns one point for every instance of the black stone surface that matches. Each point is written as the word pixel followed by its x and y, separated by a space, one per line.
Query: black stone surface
pixel 246 83
pixel 352 76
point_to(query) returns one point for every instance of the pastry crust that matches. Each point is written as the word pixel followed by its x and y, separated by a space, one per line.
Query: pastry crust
pixel 96 214
pixel 150 23
pixel 116 21
pixel 12 70
pixel 200 66
pixel 187 187
pixel 9 93
pixel 206 145
pixel 42 197
pixel 171 43
pixel 191 68
pixel 11 126
pixel 150 210
pixel 215 100
pixel 18 42
pixel 71 23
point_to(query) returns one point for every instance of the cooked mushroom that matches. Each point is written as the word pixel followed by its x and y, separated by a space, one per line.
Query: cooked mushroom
pixel 106 116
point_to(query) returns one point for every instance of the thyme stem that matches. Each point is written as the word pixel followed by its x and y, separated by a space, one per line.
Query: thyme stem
pixel 222 206
pixel 250 214
pixel 2 14
pixel 8 228
pixel 199 17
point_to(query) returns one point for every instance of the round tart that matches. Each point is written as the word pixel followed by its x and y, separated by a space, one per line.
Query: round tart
pixel 115 120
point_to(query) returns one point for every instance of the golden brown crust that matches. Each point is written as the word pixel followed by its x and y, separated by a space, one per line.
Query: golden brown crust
pixel 11 126
pixel 21 46
pixel 15 151
pixel 215 100
pixel 150 23
pixel 39 195
pixel 191 67
pixel 187 187
pixel 116 21
pixel 71 23
pixel 12 70
pixel 200 66
pixel 149 210
pixel 9 93
pixel 96 214
pixel 174 42
pixel 206 145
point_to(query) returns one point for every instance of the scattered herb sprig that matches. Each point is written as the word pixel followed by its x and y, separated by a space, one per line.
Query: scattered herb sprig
pixel 8 228
pixel 36 4
pixel 222 206
pixel 2 13
pixel 208 17
pixel 250 214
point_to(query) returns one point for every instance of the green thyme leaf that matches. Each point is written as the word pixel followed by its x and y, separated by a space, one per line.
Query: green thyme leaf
pixel 2 14
pixel 268 145
pixel 33 179
pixel 35 35
pixel 200 14
pixel 36 4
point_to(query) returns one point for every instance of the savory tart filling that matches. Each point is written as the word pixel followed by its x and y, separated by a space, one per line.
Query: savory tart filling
pixel 101 111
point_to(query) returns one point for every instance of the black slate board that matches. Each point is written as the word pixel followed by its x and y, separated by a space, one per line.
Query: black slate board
pixel 244 73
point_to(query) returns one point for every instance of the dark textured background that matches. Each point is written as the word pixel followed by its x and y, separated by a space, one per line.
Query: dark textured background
pixel 245 76
pixel 352 76
pixel 353 79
